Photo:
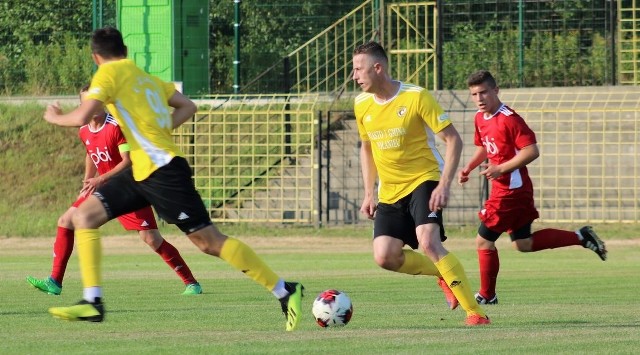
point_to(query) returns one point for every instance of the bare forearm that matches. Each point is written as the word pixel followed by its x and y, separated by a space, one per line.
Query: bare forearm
pixel 479 156
pixel 525 156
pixel 369 172
pixel 452 159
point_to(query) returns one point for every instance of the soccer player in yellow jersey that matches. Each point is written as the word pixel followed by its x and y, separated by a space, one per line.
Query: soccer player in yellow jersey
pixel 397 123
pixel 159 176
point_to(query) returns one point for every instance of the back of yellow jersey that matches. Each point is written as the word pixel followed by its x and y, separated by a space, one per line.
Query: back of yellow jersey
pixel 402 135
pixel 139 103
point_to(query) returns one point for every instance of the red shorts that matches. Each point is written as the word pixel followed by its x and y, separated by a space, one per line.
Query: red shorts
pixel 508 214
pixel 140 220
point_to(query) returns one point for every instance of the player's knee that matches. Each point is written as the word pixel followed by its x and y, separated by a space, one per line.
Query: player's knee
pixel 208 240
pixel 522 245
pixel 387 261
pixel 65 222
pixel 81 220
pixel 152 238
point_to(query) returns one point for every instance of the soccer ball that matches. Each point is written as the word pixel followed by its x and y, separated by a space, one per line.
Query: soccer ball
pixel 332 308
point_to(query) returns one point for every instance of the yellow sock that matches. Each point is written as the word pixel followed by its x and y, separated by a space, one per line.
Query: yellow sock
pixel 417 264
pixel 90 256
pixel 243 258
pixel 453 273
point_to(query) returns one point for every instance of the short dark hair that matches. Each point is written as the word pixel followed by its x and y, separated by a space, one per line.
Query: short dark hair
pixel 481 77
pixel 372 48
pixel 108 43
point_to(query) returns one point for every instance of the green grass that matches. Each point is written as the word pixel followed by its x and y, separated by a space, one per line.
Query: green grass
pixel 557 301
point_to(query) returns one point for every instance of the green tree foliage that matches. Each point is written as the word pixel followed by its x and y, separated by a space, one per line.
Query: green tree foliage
pixel 44 44
pixel 34 57
pixel 269 31
pixel 549 59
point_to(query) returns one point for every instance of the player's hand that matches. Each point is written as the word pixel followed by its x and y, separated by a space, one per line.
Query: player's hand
pixel 490 171
pixel 52 112
pixel 463 176
pixel 368 208
pixel 87 190
pixel 93 182
pixel 439 198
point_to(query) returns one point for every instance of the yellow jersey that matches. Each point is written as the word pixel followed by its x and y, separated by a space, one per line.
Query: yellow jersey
pixel 139 103
pixel 402 135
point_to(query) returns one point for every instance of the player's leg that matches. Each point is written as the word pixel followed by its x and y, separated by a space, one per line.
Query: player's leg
pixel 144 222
pixel 90 215
pixel 488 264
pixel 393 228
pixel 172 257
pixel 430 234
pixel 118 196
pixel 171 192
pixel 242 257
pixel 551 238
pixel 62 249
pixel 452 272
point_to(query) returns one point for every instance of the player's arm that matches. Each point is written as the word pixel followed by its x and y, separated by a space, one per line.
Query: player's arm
pixel 126 162
pixel 96 181
pixel 369 175
pixel 184 108
pixel 76 118
pixel 440 195
pixel 524 156
pixel 90 171
pixel 479 156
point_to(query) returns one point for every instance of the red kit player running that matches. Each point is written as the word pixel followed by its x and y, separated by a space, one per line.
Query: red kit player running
pixel 503 137
pixel 108 154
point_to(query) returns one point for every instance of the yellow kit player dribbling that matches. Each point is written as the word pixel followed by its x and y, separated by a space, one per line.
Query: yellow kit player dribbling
pixel 398 123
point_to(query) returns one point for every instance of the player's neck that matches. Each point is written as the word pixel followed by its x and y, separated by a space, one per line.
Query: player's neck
pixel 493 110
pixel 388 90
pixel 99 60
pixel 97 122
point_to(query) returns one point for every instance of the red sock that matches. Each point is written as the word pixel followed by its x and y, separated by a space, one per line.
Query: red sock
pixel 489 267
pixel 172 257
pixel 62 248
pixel 553 238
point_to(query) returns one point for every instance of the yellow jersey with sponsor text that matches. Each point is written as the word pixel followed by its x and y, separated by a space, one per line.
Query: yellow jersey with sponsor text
pixel 139 103
pixel 402 135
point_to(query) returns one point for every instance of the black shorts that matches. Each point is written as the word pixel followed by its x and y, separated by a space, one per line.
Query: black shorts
pixel 523 232
pixel 399 220
pixel 170 190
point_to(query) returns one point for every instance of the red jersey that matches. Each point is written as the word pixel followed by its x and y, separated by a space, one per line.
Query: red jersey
pixel 510 205
pixel 102 144
pixel 503 134
pixel 103 147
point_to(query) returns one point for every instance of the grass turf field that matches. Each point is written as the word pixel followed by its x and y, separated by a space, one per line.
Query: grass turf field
pixel 555 301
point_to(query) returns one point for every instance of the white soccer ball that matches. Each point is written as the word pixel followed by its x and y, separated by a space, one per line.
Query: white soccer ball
pixel 332 308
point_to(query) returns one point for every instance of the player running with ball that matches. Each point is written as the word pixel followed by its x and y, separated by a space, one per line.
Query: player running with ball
pixel 398 123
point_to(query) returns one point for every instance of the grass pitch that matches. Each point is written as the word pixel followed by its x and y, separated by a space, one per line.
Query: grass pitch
pixel 555 301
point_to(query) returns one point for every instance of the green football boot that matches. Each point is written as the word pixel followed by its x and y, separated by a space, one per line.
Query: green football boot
pixel 47 285
pixel 193 289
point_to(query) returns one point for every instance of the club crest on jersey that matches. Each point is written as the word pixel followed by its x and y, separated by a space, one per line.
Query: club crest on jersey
pixel 402 111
